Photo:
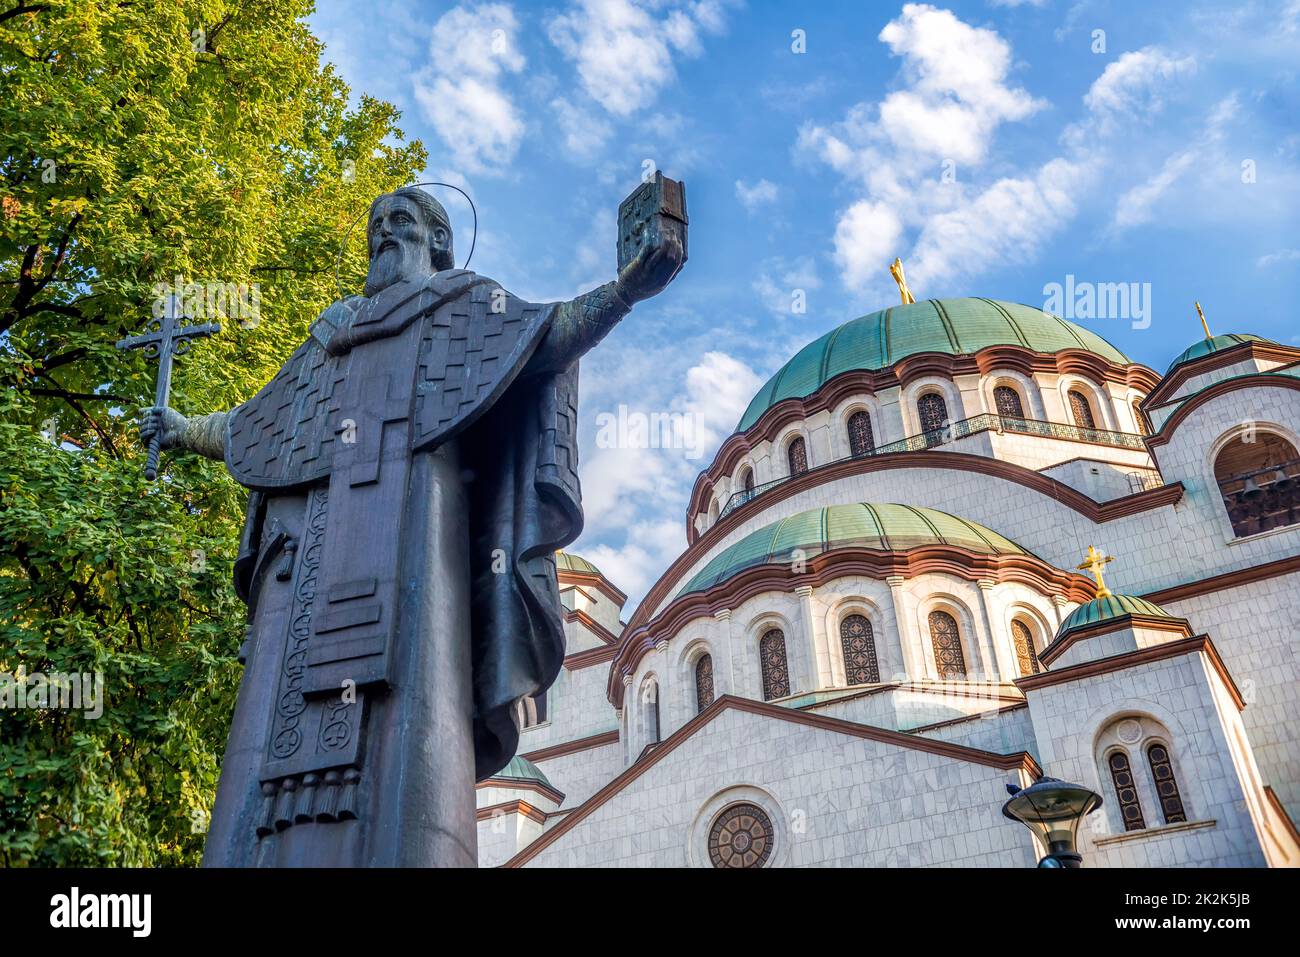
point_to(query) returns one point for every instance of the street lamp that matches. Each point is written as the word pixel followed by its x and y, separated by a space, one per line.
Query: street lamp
pixel 1052 809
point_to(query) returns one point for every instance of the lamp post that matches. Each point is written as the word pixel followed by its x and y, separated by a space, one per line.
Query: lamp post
pixel 1052 809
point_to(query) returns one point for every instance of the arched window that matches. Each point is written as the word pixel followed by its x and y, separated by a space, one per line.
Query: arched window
pixel 861 441
pixel 859 646
pixel 650 710
pixel 747 480
pixel 933 412
pixel 1025 656
pixel 1260 482
pixel 1162 773
pixel 1126 795
pixel 776 674
pixel 1081 410
pixel 1140 419
pixel 1007 401
pixel 531 710
pixel 948 657
pixel 703 683
pixel 797 456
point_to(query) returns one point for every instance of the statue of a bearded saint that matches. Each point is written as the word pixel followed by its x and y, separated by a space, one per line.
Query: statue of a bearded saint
pixel 411 471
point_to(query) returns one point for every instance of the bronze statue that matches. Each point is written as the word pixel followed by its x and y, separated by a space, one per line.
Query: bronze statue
pixel 411 469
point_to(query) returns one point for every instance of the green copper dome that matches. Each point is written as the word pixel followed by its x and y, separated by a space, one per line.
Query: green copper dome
pixel 1216 344
pixel 883 527
pixel 521 769
pixel 566 562
pixel 953 326
pixel 1109 608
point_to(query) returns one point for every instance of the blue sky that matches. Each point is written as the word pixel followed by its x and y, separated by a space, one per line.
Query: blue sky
pixel 997 147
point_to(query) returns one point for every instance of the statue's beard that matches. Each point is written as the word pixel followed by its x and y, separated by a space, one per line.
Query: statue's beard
pixel 395 264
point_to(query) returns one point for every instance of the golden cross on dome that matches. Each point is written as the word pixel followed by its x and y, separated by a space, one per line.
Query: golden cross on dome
pixel 1094 562
pixel 1204 325
pixel 896 270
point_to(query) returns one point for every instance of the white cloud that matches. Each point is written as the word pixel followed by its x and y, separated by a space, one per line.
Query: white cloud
pixel 1137 82
pixel 1281 256
pixel 916 156
pixel 585 134
pixel 778 281
pixel 751 197
pixel 1137 205
pixel 461 93
pixel 623 53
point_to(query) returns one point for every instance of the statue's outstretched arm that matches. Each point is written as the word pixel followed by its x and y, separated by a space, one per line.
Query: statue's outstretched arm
pixel 580 323
pixel 204 434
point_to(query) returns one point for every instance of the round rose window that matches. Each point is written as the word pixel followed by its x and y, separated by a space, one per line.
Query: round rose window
pixel 741 837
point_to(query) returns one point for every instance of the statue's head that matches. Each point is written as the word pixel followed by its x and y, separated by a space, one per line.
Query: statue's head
pixel 408 236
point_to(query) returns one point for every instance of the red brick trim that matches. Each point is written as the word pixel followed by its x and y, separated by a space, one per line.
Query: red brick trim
pixel 590 657
pixel 1216 360
pixel 1190 405
pixel 1233 579
pixel 592 625
pixel 573 747
pixel 1007 762
pixel 1130 659
pixel 598 582
pixel 522 784
pixel 1109 626
pixel 511 807
pixel 1280 808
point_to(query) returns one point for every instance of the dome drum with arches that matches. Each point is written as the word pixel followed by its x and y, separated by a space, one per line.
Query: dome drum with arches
pixel 881 527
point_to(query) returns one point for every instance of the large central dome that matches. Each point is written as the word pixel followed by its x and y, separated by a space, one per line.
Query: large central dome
pixel 953 326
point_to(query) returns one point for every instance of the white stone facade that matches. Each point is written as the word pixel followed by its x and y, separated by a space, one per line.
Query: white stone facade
pixel 911 769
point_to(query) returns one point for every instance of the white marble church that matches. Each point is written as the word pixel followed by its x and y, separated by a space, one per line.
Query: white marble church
pixel 882 620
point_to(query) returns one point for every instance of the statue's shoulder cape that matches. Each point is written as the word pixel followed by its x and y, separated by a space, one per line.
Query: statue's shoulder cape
pixel 474 340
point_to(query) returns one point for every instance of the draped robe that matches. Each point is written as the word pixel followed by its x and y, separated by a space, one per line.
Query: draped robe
pixel 412 469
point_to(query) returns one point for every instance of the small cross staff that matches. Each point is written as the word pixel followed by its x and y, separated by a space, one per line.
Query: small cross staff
pixel 165 339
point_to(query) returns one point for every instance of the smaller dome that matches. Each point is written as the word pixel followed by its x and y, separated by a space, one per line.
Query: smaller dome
pixel 1110 608
pixel 1214 344
pixel 521 769
pixel 567 562
pixel 882 527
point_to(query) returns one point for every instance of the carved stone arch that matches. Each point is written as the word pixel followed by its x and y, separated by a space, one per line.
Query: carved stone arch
pixel 1278 505
pixel 914 392
pixel 758 626
pixel 1040 631
pixel 687 671
pixel 845 424
pixel 967 639
pixel 1027 389
pixel 846 606
pixel 1133 727
pixel 1100 404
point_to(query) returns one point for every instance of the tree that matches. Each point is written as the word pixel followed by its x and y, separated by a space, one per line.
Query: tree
pixel 199 139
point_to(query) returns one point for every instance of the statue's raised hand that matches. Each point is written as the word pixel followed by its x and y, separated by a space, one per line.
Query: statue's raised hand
pixel 168 424
pixel 653 269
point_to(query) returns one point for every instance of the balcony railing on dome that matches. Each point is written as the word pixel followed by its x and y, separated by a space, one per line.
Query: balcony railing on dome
pixel 1264 499
pixel 985 422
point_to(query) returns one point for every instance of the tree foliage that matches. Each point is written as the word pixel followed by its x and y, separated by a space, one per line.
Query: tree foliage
pixel 141 142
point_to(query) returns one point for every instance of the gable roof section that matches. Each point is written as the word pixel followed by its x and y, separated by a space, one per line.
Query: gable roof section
pixel 1006 762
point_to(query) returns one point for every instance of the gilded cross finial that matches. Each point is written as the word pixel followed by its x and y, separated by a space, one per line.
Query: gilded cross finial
pixel 896 270
pixel 1094 562
pixel 1204 325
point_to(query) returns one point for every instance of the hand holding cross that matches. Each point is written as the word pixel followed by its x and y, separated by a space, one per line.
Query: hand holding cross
pixel 165 339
